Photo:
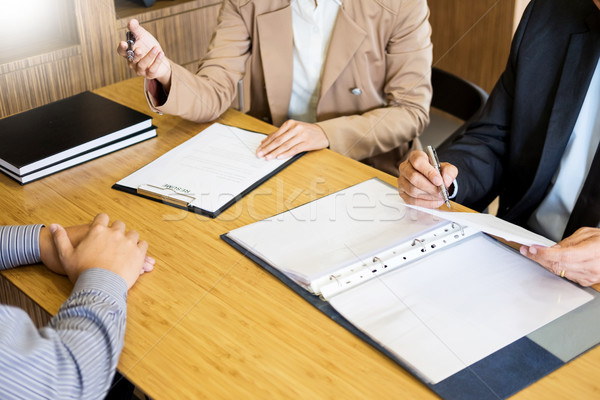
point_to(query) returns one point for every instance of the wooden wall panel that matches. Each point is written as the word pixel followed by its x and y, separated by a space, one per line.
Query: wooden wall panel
pixel 40 84
pixel 472 38
pixel 83 54
pixel 98 35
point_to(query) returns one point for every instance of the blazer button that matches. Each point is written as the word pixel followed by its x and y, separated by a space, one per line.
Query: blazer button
pixel 356 91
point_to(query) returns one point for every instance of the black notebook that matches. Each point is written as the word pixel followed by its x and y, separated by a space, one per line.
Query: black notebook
pixel 48 135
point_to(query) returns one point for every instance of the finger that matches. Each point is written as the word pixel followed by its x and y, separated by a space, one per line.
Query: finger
pixel 146 61
pixel 292 151
pixel 407 187
pixel 134 26
pixel 413 195
pixel 155 66
pixel 100 219
pixel 268 141
pixel 268 146
pixel 122 49
pixel 143 245
pixel 283 146
pixel 147 267
pixel 277 146
pixel 148 264
pixel 421 202
pixel 583 272
pixel 118 225
pixel 449 173
pixel 417 185
pixel 61 240
pixel 420 163
pixel 564 264
pixel 561 255
pixel 133 236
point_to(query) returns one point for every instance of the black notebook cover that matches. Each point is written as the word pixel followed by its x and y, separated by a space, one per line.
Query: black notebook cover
pixel 45 135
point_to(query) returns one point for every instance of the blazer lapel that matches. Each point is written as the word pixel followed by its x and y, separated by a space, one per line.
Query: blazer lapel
pixel 346 38
pixel 580 63
pixel 276 40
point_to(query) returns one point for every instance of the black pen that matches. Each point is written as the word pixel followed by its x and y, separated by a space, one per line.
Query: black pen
pixel 433 159
pixel 130 41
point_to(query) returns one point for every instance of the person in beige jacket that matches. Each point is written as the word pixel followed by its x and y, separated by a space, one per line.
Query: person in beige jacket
pixel 372 92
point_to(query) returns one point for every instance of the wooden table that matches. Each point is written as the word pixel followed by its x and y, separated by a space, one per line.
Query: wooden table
pixel 208 322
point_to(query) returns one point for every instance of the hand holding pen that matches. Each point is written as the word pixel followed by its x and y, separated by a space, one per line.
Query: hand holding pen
pixel 435 162
pixel 144 54
pixel 421 183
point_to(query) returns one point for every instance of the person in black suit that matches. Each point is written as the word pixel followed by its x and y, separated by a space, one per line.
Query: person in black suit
pixel 535 141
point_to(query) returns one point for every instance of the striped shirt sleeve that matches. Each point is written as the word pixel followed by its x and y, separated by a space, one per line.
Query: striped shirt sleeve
pixel 76 355
pixel 19 245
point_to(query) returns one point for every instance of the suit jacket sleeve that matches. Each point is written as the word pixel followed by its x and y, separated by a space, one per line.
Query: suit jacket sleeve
pixel 407 92
pixel 479 155
pixel 205 99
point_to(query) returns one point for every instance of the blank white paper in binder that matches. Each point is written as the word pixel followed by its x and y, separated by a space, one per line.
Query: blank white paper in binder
pixel 438 295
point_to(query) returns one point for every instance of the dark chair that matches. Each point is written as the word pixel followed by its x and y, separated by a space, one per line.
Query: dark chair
pixel 455 102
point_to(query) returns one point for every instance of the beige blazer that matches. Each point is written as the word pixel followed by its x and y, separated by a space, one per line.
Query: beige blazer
pixel 376 79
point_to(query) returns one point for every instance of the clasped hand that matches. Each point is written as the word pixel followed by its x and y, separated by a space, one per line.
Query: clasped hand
pixel 70 251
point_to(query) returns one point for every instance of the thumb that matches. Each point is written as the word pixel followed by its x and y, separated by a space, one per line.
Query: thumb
pixel 135 28
pixel 61 240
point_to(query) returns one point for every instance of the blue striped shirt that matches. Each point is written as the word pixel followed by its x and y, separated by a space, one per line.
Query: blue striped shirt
pixel 76 354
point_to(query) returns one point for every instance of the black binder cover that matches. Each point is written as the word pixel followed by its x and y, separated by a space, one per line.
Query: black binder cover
pixel 68 124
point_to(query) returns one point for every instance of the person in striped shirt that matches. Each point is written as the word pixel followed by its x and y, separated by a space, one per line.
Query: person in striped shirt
pixel 75 356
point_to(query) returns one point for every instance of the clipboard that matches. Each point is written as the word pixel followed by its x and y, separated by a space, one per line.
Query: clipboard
pixel 219 146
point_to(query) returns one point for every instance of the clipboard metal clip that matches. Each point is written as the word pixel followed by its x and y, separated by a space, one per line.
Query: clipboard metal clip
pixel 172 196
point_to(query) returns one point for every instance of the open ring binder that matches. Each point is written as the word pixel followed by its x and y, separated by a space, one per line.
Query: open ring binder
pixel 463 312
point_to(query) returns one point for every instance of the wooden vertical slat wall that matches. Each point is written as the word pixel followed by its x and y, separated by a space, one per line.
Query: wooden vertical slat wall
pixel 83 55
pixel 97 25
pixel 472 38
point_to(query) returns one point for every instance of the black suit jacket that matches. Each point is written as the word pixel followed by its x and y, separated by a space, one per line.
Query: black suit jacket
pixel 514 148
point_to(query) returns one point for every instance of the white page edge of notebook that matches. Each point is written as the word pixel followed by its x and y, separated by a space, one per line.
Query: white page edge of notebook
pixel 77 149
pixel 83 158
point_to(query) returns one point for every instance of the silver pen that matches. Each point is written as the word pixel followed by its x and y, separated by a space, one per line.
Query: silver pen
pixel 433 159
pixel 130 41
